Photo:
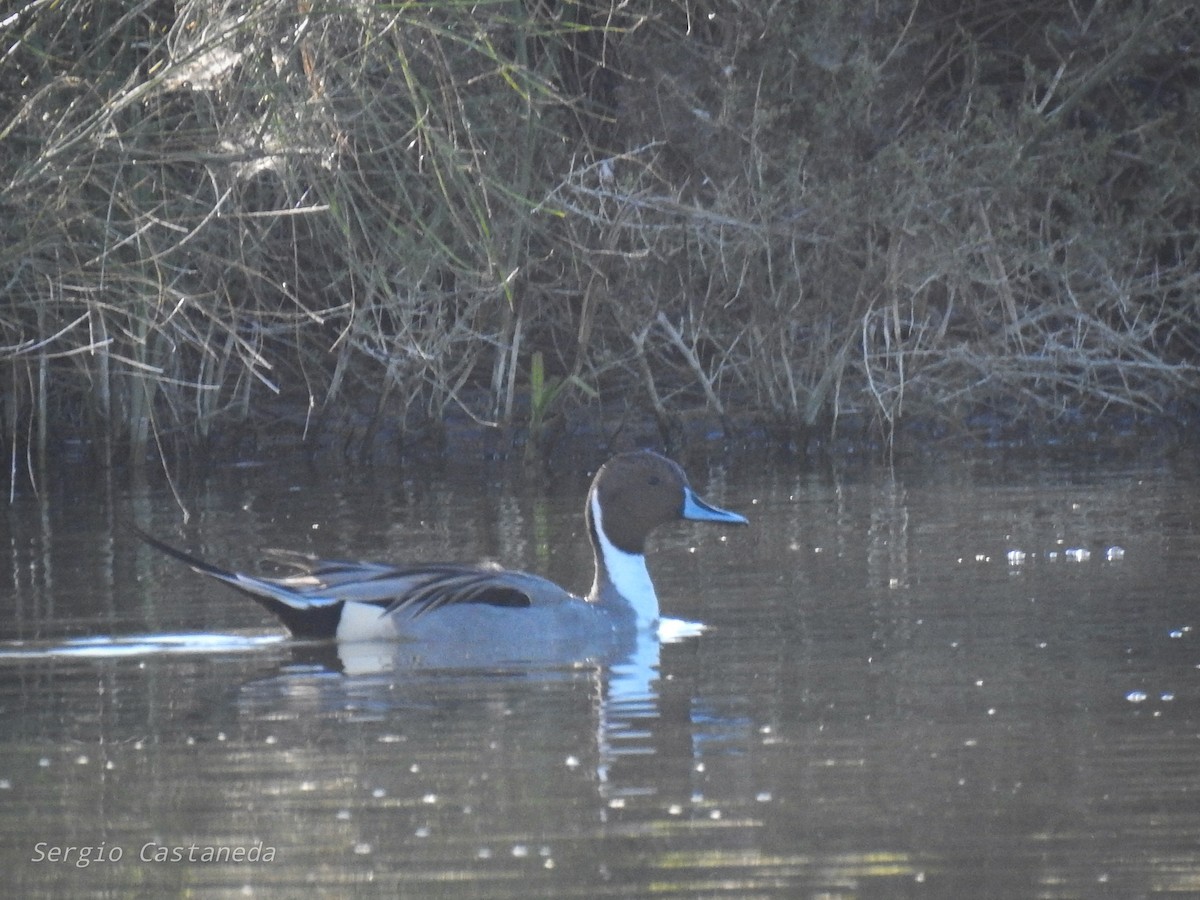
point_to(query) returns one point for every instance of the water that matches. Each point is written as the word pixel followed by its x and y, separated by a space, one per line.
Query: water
pixel 966 680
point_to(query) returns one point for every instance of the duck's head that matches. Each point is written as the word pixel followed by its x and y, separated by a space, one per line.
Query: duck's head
pixel 634 493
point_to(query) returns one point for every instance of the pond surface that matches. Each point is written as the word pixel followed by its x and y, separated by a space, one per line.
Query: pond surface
pixel 968 680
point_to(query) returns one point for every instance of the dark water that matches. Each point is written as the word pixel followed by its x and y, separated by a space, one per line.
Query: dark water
pixel 970 680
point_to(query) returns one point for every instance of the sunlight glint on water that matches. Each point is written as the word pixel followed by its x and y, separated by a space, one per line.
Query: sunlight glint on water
pixel 972 680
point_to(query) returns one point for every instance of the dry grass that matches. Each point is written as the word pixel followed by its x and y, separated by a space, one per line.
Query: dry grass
pixel 813 213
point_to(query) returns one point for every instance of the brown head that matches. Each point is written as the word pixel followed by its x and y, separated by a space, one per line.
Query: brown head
pixel 636 492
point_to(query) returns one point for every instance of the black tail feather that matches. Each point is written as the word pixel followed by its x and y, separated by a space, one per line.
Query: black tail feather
pixel 195 562
pixel 302 621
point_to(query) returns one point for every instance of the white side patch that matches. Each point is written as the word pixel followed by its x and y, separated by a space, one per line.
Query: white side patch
pixel 627 572
pixel 364 622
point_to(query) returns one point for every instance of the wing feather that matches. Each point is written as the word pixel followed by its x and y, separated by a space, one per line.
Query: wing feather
pixel 418 589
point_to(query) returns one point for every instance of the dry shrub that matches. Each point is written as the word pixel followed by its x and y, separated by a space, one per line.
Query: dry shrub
pixel 932 211
pixel 239 200
pixel 791 210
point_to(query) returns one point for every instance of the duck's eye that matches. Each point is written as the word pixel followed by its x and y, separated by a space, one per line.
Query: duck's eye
pixel 654 479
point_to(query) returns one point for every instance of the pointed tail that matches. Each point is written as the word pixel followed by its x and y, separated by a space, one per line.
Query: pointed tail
pixel 304 617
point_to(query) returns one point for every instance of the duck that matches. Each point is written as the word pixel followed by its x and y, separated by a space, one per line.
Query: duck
pixel 631 495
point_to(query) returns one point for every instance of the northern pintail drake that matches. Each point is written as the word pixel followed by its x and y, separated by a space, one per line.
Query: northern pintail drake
pixel 631 495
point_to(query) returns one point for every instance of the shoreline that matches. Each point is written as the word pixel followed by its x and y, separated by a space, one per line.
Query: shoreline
pixel 588 435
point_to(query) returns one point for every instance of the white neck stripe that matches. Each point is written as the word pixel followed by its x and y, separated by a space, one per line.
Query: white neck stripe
pixel 627 573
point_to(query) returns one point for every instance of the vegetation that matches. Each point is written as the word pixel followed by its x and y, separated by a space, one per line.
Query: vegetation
pixel 802 212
